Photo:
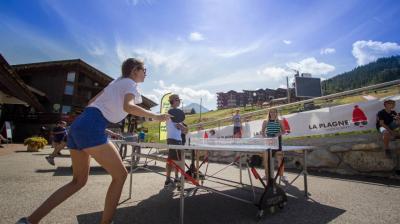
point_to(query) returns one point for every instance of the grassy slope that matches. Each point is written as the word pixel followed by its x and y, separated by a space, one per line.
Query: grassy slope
pixel 153 127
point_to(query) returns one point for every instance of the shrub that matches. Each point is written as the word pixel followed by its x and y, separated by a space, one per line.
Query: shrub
pixel 35 143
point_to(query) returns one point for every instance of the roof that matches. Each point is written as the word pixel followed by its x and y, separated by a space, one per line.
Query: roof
pixel 40 65
pixel 147 102
pixel 12 84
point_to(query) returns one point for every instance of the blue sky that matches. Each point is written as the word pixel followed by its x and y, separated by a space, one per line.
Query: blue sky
pixel 199 48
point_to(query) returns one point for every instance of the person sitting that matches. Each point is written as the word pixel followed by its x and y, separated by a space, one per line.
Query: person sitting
pixel 387 123
pixel 212 134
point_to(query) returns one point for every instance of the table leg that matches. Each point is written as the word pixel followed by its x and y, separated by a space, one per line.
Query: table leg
pixel 182 202
pixel 197 165
pixel 305 174
pixel 240 167
pixel 131 171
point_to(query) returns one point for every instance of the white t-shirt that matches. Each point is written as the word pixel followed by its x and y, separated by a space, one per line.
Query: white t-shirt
pixel 111 101
pixel 172 131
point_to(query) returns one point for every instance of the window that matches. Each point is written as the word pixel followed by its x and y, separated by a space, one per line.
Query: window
pixel 71 77
pixel 66 109
pixel 69 89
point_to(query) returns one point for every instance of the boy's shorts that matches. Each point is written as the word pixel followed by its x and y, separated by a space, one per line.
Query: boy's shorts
pixel 173 153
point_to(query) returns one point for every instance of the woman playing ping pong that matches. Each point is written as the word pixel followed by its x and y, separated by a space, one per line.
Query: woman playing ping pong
pixel 87 138
pixel 273 127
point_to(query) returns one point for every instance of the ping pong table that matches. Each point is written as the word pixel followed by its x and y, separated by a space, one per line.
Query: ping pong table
pixel 273 196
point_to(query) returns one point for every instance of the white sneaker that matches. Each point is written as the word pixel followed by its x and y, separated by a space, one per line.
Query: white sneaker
pixel 284 179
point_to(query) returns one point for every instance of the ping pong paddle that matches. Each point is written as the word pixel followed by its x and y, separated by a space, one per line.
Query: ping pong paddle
pixel 177 115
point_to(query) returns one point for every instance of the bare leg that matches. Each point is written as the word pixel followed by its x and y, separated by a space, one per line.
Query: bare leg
pixel 279 157
pixel 265 162
pixel 386 139
pixel 108 157
pixel 80 166
pixel 168 168
pixel 57 148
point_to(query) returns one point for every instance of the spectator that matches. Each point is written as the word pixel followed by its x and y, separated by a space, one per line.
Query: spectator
pixel 387 123
pixel 212 134
pixel 59 141
pixel 272 128
pixel 142 136
pixel 237 125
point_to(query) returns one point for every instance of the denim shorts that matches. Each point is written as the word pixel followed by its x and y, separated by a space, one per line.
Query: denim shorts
pixel 88 130
pixel 391 126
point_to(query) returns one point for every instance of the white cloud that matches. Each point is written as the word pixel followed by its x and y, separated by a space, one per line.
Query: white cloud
pixel 187 94
pixel 283 86
pixel 237 51
pixel 327 51
pixel 368 51
pixel 275 73
pixel 287 42
pixel 171 61
pixel 311 65
pixel 196 36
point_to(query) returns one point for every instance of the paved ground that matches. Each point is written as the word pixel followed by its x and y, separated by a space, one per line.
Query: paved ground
pixel 26 180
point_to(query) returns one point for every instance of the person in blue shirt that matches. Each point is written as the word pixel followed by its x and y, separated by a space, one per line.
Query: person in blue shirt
pixel 142 136
pixel 59 141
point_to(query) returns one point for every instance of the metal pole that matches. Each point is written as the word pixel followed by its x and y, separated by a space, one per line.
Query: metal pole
pixel 131 171
pixel 288 90
pixel 201 99
pixel 182 204
pixel 305 173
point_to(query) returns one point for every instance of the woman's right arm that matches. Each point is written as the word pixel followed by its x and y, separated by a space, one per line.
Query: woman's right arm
pixel 131 108
pixel 264 126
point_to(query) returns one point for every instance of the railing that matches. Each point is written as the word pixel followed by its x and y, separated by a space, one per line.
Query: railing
pixel 219 122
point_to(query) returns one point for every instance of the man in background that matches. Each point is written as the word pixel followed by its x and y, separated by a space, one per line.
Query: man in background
pixel 237 125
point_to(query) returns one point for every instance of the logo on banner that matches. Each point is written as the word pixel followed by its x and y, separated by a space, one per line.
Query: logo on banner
pixel 359 118
pixel 286 127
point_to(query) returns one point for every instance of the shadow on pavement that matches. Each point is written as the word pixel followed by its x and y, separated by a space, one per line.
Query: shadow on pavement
pixel 353 178
pixel 212 208
pixel 94 170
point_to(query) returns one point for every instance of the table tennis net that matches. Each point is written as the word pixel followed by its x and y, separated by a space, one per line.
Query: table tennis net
pixel 273 142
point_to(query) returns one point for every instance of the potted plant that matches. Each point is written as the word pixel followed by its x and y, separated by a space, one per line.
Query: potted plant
pixel 35 143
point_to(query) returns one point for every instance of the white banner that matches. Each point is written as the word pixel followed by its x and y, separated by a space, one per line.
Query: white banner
pixel 344 118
